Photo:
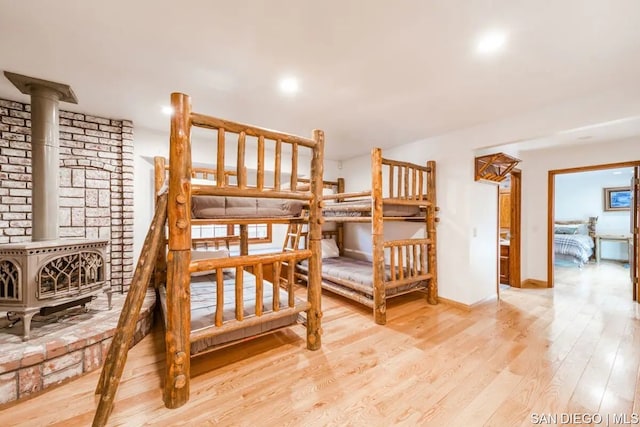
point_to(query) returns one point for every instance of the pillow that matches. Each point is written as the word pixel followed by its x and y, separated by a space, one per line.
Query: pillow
pixel 562 229
pixel 329 248
pixel 572 229
pixel 327 191
pixel 582 229
pixel 212 254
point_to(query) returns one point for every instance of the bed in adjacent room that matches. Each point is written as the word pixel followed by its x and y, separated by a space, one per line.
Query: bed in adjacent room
pixel 573 242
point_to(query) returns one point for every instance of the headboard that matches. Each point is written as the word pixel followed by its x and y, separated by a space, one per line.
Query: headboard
pixel 590 223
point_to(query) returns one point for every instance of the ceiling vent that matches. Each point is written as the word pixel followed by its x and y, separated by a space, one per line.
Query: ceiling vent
pixel 494 167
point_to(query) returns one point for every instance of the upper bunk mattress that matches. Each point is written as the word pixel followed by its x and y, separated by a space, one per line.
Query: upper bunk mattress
pixel 211 207
pixel 203 308
pixel 362 208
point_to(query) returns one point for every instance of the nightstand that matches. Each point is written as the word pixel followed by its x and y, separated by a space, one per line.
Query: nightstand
pixel 610 237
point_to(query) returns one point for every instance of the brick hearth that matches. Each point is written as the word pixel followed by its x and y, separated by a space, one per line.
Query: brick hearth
pixel 63 346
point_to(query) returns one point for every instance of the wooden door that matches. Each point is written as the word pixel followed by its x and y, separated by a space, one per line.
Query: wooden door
pixel 505 209
pixel 504 264
pixel 634 250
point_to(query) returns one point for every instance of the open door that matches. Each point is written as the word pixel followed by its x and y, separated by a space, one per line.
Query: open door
pixel 634 250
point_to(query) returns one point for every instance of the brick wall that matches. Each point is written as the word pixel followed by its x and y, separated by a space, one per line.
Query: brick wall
pixel 96 182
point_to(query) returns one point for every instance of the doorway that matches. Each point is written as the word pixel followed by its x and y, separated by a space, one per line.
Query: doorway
pixel 509 230
pixel 600 202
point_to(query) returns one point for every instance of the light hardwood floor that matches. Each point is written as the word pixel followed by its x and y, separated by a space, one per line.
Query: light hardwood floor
pixel 572 349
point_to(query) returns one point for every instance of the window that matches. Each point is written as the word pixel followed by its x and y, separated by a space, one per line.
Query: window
pixel 258 233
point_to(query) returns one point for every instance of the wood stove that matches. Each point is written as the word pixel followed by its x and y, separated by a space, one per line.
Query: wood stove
pixel 41 277
pixel 49 273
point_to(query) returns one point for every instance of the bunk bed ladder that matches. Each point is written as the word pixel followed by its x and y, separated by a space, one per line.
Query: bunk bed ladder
pixel 117 356
pixel 296 233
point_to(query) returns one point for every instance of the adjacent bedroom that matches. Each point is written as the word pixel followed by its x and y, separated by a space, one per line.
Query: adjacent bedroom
pixel 592 230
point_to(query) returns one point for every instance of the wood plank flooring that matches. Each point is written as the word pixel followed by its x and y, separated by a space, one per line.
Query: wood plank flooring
pixel 575 348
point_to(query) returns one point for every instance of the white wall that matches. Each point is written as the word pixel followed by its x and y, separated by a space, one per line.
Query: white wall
pixel 148 143
pixel 535 171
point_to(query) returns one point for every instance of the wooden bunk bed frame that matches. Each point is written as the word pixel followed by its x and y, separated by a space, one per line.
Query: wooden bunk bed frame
pixel 172 260
pixel 179 264
pixel 413 262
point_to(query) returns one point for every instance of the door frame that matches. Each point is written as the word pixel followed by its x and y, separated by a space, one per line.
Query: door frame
pixel 515 230
pixel 551 205
pixel 634 254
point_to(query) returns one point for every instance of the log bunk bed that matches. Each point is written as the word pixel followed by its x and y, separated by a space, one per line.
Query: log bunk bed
pixel 272 307
pixel 399 266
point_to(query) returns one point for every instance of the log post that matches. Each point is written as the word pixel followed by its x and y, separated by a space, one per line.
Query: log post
pixel 294 167
pixel 160 176
pixel 314 314
pixel 117 355
pixel 176 384
pixel 432 297
pixel 340 225
pixel 244 239
pixel 277 166
pixel 377 238
pixel 240 166
pixel 260 172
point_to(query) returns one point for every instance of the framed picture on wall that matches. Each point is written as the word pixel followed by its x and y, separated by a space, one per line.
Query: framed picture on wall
pixel 617 199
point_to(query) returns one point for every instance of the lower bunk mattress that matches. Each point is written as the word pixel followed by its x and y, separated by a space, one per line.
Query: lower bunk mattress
pixel 362 208
pixel 203 308
pixel 342 270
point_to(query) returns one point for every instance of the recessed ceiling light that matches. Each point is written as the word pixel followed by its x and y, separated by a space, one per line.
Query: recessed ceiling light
pixel 167 109
pixel 491 42
pixel 617 173
pixel 289 85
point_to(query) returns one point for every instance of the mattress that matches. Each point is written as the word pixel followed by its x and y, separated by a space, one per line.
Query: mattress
pixel 203 308
pixel 578 247
pixel 210 207
pixel 355 270
pixel 362 208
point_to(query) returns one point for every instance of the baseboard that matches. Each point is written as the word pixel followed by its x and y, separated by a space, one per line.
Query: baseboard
pixel 468 307
pixel 534 283
pixel 455 304
pixel 487 300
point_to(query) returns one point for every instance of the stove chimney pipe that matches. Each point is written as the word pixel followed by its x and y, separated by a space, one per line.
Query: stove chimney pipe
pixel 45 150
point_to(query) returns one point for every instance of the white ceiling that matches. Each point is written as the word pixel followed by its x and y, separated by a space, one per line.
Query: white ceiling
pixel 374 73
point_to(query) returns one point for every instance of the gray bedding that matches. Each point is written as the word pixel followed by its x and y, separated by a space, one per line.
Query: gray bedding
pixel 355 270
pixel 575 247
pixel 362 208
pixel 203 308
pixel 211 207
